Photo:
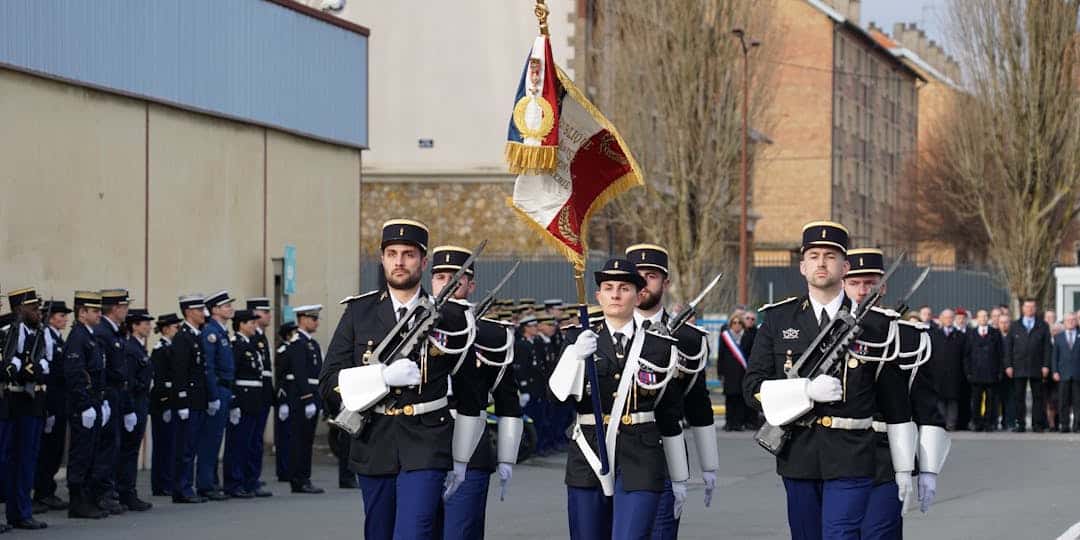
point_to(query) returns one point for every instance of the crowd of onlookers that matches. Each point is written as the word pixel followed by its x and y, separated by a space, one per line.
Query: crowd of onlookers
pixel 991 368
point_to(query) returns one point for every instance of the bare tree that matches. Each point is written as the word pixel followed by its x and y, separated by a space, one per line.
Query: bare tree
pixel 669 75
pixel 1009 155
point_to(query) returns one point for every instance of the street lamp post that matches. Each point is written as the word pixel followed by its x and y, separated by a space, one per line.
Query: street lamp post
pixel 743 296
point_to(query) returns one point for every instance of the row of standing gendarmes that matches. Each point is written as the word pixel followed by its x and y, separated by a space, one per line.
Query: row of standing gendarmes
pixel 99 386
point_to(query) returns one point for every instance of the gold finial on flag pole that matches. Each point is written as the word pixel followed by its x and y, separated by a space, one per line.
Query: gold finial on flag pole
pixel 541 10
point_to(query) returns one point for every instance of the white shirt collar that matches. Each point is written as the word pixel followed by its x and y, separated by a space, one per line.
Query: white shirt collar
pixel 192 327
pixel 166 340
pixel 243 337
pixel 88 327
pixel 220 325
pixel 656 318
pixel 831 308
pixel 259 330
pixel 307 335
pixel 142 341
pixel 626 330
pixel 115 327
pixel 407 305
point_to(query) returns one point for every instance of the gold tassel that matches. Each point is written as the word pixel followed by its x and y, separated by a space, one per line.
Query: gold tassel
pixel 525 159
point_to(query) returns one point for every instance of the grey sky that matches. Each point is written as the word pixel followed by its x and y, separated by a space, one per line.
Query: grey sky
pixel 926 13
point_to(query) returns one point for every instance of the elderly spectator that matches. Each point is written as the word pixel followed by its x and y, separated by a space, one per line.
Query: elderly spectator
pixel 1027 361
pixel 1050 386
pixel 926 315
pixel 948 366
pixel 1006 406
pixel 963 417
pixel 960 321
pixel 982 364
pixel 1065 366
pixel 733 353
pixel 1050 316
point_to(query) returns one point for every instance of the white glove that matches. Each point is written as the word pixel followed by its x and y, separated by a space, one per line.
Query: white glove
pixel 50 421
pixel 15 361
pixel 234 416
pixel 905 488
pixel 129 422
pixel 678 489
pixel 213 407
pixel 283 412
pixel 44 366
pixel 506 472
pixel 403 372
pixel 167 416
pixel 927 490
pixel 454 479
pixel 309 411
pixel 709 477
pixel 825 389
pixel 524 398
pixel 585 345
pixel 106 412
pixel 88 417
pixel 184 413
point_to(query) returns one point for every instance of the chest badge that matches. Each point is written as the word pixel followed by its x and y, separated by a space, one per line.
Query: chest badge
pixel 790 333
pixel 212 338
pixel 311 346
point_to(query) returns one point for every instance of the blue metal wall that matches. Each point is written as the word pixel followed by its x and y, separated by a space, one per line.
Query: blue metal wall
pixel 247 59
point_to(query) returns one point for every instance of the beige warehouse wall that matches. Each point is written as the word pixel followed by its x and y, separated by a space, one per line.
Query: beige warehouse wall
pixel 71 188
pixel 206 205
pixel 314 198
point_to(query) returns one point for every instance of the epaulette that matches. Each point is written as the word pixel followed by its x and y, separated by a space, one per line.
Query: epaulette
pixel 348 299
pixel 460 302
pixel 159 344
pixel 696 327
pixel 294 337
pixel 886 312
pixel 780 303
pixel 917 325
pixel 281 349
pixel 497 321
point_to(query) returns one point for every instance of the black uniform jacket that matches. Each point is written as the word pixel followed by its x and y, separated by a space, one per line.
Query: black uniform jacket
pixel 389 444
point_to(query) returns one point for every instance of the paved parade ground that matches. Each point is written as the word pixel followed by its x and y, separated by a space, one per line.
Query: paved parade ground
pixel 1003 486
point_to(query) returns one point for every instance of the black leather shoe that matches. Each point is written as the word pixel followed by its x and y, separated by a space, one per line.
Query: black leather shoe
pixel 111 506
pixel 262 493
pixel 347 483
pixel 4 527
pixel 1018 429
pixel 136 504
pixel 54 502
pixel 160 493
pixel 215 495
pixel 307 488
pixel 241 494
pixel 29 524
pixel 194 499
pixel 38 507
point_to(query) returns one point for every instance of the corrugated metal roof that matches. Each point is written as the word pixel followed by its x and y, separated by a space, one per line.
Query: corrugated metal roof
pixel 253 61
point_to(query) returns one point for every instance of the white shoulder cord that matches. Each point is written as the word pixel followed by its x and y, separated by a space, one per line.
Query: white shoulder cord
pixel 891 339
pixel 921 354
pixel 470 331
pixel 698 356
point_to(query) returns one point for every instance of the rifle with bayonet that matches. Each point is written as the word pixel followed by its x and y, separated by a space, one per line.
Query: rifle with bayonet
pixel 489 300
pixel 824 355
pixel 414 327
pixel 677 322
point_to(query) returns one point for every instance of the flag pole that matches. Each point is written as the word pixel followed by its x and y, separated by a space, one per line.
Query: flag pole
pixel 590 373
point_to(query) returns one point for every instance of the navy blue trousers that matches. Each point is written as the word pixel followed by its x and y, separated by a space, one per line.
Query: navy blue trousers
pixel 282 441
pixel 163 456
pixel 629 515
pixel 827 509
pixel 883 520
pixel 465 511
pixel 25 434
pixel 108 448
pixel 405 506
pixel 127 466
pixel 665 526
pixel 255 452
pixel 82 452
pixel 210 437
pixel 187 446
pixel 50 457
pixel 237 468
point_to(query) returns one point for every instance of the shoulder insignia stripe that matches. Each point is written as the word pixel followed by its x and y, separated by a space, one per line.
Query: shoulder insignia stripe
pixel 348 299
pixel 780 303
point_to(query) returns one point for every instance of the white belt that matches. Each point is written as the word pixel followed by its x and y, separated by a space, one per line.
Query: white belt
pixel 249 384
pixel 852 424
pixel 18 388
pixel 290 377
pixel 168 384
pixel 313 381
pixel 881 427
pixel 626 419
pixel 267 374
pixel 414 409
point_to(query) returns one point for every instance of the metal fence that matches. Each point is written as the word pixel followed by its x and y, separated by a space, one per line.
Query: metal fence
pixel 553 278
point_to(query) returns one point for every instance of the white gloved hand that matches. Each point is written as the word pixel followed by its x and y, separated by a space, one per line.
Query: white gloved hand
pixel 184 413
pixel 15 361
pixel 309 411
pixel 213 407
pixel 88 418
pixel 709 477
pixel 50 421
pixel 825 389
pixel 927 490
pixel 166 416
pixel 234 416
pixel 106 412
pixel 403 372
pixel 585 345
pixel 678 489
pixel 44 366
pixel 905 488
pixel 129 422
pixel 524 398
pixel 283 412
pixel 506 472
pixel 454 479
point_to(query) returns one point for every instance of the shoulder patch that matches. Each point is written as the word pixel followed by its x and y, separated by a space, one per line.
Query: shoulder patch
pixel 348 299
pixel 212 338
pixel 780 303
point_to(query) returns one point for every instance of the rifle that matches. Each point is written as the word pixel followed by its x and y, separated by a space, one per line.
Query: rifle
pixel 824 352
pixel 413 328
pixel 488 300
pixel 37 350
pixel 677 322
pixel 902 305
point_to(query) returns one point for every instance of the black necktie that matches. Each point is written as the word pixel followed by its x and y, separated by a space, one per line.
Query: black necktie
pixel 824 320
pixel 401 312
pixel 647 324
pixel 619 351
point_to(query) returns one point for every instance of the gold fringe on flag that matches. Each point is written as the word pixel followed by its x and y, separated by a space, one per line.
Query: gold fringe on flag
pixel 525 159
